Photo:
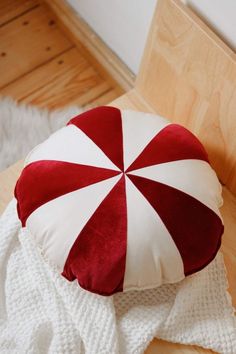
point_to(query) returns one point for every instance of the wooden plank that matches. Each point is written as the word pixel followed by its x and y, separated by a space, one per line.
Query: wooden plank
pixel 104 98
pixel 189 76
pixel 27 42
pixel 69 88
pixel 67 79
pixel 81 33
pixel 10 9
pixel 93 93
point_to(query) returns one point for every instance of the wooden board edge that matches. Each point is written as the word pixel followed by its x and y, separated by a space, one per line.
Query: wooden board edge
pixel 81 33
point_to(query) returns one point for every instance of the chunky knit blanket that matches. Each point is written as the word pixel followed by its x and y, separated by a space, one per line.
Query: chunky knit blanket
pixel 41 312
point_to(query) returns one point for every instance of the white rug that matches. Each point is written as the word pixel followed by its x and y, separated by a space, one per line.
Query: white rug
pixel 22 127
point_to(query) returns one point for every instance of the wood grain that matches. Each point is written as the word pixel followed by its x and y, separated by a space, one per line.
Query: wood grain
pixel 105 97
pixel 10 9
pixel 48 75
pixel 27 42
pixel 189 76
pixel 67 79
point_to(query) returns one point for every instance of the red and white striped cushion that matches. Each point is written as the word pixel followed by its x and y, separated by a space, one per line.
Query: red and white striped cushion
pixel 122 200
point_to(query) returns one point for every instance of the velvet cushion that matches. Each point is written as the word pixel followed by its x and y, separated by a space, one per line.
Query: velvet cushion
pixel 122 200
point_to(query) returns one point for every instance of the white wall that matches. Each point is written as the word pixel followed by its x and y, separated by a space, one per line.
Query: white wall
pixel 220 15
pixel 123 24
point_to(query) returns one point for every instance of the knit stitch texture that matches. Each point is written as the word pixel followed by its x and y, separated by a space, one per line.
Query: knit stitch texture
pixel 41 312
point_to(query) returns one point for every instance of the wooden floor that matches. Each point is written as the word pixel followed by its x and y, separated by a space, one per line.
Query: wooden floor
pixel 41 66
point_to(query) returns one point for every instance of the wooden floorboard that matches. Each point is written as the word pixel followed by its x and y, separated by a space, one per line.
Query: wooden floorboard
pixel 11 9
pixel 93 94
pixel 28 42
pixel 41 66
pixel 67 79
pixel 104 98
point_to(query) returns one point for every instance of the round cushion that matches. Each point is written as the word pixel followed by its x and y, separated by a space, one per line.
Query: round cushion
pixel 122 200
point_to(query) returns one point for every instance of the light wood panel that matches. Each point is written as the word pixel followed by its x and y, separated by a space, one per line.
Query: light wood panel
pixel 67 79
pixel 10 9
pixel 27 42
pixel 189 75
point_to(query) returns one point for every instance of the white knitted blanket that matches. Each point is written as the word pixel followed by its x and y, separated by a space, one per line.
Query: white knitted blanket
pixel 41 312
